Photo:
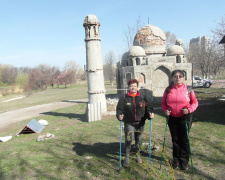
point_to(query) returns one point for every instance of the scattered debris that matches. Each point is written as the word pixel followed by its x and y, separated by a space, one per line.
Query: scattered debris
pixel 45 137
pixel 111 104
pixel 6 138
pixel 145 147
pixel 43 122
pixel 88 157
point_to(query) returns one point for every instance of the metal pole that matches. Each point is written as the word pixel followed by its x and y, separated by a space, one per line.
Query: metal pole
pixel 120 145
pixel 150 139
pixel 189 146
pixel 167 119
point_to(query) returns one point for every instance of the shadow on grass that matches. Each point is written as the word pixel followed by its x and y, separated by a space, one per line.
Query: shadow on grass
pixel 74 101
pixel 98 149
pixel 80 117
pixel 213 113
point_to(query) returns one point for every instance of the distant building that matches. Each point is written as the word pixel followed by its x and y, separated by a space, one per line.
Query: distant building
pixel 201 42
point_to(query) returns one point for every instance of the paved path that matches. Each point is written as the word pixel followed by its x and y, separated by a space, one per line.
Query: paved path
pixel 14 116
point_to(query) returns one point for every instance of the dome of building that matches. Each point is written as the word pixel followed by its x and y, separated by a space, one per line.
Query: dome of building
pixel 179 42
pixel 125 56
pixel 91 19
pixel 175 50
pixel 152 39
pixel 136 51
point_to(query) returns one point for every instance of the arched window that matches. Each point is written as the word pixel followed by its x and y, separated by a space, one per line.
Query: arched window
pixel 138 61
pixel 128 77
pixel 178 59
pixel 130 62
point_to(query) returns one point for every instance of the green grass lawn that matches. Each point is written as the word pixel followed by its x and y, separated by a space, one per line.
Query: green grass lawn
pixel 66 155
pixel 55 94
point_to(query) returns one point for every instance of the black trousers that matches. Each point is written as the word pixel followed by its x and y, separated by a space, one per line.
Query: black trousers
pixel 178 133
pixel 133 130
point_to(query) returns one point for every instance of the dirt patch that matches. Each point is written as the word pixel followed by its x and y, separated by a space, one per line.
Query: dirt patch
pixel 218 85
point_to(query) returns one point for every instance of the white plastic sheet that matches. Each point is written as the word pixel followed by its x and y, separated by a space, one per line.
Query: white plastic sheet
pixel 6 138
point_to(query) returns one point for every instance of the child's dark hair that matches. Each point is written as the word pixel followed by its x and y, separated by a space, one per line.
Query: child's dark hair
pixel 173 74
pixel 132 81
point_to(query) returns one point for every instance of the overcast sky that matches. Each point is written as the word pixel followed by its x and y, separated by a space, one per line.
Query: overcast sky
pixel 34 32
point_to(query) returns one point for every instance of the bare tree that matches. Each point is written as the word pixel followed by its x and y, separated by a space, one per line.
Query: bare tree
pixel 22 80
pixel 109 67
pixel 170 39
pixel 39 77
pixel 207 61
pixel 130 33
pixel 71 65
pixel 219 49
pixel 217 58
pixel 219 30
pixel 54 73
pixel 71 69
pixel 9 74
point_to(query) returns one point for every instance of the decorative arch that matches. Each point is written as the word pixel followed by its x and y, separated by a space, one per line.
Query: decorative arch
pixel 160 80
pixel 141 78
pixel 185 75
pixel 164 69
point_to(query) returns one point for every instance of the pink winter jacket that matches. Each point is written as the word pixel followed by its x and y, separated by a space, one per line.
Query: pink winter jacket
pixel 179 98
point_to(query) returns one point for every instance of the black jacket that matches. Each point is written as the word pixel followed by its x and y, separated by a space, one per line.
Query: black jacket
pixel 134 109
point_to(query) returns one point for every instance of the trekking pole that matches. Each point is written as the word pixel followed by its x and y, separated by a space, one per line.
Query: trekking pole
pixel 150 139
pixel 120 145
pixel 189 145
pixel 167 119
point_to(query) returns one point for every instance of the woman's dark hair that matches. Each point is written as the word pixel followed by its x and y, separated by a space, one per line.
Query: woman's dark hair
pixel 173 74
pixel 132 81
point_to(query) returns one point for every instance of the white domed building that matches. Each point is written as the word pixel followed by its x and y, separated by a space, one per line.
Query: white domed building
pixel 150 63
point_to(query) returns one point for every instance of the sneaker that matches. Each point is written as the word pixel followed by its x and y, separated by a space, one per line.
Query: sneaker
pixel 175 165
pixel 126 162
pixel 184 167
pixel 138 159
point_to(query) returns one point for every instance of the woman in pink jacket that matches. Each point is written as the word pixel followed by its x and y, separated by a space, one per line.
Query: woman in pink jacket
pixel 178 104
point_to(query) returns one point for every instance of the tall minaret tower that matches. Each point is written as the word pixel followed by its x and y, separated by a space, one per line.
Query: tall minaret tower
pixel 94 67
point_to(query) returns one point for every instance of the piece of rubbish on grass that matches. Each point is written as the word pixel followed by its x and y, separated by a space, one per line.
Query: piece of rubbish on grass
pixel 88 157
pixel 43 122
pixel 45 137
pixel 6 138
pixel 32 127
